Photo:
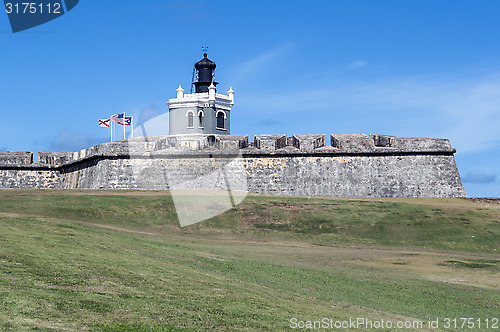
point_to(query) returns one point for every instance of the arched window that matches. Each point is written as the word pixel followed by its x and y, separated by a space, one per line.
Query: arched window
pixel 220 120
pixel 190 116
pixel 200 118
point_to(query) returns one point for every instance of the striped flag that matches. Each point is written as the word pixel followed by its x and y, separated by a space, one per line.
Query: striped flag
pixel 117 118
pixel 104 123
pixel 121 119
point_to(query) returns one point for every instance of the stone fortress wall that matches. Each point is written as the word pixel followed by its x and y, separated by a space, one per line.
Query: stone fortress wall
pixel 351 166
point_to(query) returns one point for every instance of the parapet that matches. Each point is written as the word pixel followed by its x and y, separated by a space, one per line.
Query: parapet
pixel 229 141
pixel 418 144
pixel 54 158
pixel 270 142
pixel 16 158
pixel 308 143
pixel 200 144
pixel 358 143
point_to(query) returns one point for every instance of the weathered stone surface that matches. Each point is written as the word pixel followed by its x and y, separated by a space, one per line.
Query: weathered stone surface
pixel 388 176
pixel 232 142
pixel 413 144
pixel 352 142
pixel 354 166
pixel 307 143
pixel 270 142
pixel 15 158
pixel 29 178
pixel 55 158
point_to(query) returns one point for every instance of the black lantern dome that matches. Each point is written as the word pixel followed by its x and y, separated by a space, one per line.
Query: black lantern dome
pixel 205 69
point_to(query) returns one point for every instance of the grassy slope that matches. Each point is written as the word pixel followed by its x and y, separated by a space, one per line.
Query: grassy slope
pixel 255 267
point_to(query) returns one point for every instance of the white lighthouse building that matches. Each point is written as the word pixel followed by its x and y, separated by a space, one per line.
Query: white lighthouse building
pixel 202 112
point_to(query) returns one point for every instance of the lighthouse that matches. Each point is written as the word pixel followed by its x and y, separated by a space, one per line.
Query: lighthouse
pixel 202 112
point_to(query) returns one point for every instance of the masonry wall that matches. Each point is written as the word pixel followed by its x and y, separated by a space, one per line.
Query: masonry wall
pixel 29 178
pixel 353 166
pixel 356 176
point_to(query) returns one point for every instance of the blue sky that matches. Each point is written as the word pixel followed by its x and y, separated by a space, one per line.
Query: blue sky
pixel 409 68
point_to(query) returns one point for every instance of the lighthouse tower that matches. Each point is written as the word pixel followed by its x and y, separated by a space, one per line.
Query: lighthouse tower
pixel 202 112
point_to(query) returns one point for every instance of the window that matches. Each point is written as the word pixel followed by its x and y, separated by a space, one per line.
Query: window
pixel 190 116
pixel 200 118
pixel 220 120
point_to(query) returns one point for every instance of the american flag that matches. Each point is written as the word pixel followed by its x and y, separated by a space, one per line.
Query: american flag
pixel 121 119
pixel 117 118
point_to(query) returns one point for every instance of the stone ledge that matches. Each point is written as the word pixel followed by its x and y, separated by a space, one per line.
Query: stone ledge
pixel 231 145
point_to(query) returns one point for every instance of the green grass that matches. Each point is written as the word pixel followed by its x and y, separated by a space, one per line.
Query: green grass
pixel 88 261
pixel 459 226
pixel 374 222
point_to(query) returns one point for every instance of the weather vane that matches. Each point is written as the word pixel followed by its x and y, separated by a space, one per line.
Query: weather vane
pixel 205 49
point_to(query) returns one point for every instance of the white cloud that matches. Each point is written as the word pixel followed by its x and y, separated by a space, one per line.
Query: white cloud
pixel 69 141
pixel 466 110
pixel 358 64
pixel 156 126
pixel 257 64
pixel 266 122
pixel 151 110
pixel 152 120
pixel 479 178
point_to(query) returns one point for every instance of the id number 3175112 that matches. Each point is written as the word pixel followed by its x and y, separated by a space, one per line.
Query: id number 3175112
pixel 33 8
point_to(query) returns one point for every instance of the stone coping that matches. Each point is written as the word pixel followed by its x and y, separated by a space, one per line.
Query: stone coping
pixel 200 145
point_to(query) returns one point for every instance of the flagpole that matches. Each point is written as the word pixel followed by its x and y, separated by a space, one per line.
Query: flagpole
pixel 132 125
pixel 111 131
pixel 124 119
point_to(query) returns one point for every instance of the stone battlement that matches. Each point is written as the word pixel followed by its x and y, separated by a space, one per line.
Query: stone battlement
pixel 192 145
pixel 303 165
pixel 16 158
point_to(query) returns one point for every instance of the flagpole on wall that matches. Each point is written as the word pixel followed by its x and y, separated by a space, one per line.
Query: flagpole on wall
pixel 111 130
pixel 132 125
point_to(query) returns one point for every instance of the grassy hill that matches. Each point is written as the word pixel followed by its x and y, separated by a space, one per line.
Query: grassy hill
pixel 118 261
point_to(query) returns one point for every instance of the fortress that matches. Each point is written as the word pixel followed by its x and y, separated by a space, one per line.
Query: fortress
pixel 200 153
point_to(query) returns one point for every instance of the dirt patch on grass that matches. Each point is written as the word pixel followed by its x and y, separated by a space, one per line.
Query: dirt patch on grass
pixel 82 192
pixel 41 324
pixel 455 269
pixel 493 200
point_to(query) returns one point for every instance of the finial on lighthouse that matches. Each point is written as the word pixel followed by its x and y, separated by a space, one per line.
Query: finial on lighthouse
pixel 180 92
pixel 211 92
pixel 230 93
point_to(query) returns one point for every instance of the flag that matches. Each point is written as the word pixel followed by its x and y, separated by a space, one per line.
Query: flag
pixel 104 123
pixel 121 120
pixel 117 118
